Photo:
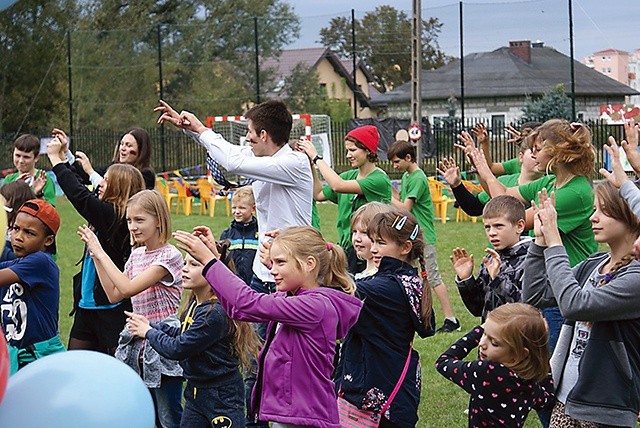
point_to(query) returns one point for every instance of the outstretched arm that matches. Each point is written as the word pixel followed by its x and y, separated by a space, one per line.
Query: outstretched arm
pixel 332 178
pixel 117 285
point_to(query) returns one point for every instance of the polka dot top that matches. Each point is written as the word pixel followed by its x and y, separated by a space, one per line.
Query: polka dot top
pixel 498 396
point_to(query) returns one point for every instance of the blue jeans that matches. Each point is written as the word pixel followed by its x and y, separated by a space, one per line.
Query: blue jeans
pixel 167 401
pixel 261 328
pixel 554 321
pixel 220 406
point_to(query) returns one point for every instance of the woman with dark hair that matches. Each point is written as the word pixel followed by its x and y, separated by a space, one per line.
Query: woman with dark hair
pixel 134 149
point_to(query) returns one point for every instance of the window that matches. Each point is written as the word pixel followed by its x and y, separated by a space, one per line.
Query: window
pixel 497 123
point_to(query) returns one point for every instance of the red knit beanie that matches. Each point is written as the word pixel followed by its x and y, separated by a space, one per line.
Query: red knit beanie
pixel 367 135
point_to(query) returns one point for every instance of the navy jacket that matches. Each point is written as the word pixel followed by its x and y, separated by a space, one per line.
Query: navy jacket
pixel 375 350
pixel 244 244
pixel 203 346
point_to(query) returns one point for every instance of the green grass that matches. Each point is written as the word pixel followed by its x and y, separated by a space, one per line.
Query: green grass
pixel 442 404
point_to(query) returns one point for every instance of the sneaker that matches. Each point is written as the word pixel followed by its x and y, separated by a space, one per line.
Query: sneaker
pixel 448 326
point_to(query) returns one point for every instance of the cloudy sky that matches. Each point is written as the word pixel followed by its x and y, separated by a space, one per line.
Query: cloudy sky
pixel 488 25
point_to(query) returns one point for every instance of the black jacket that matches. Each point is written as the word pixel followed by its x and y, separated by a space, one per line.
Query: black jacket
pixel 111 229
pixel 244 244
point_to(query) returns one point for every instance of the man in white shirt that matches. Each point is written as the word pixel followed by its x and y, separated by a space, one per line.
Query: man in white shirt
pixel 284 183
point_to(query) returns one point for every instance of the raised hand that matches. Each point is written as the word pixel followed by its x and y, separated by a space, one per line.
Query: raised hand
pixel 513 133
pixel 264 249
pixel 450 171
pixel 466 142
pixel 38 182
pixel 64 141
pixel 183 120
pixel 205 234
pixel 492 262
pixel 480 162
pixel 54 151
pixel 137 324
pixel 305 146
pixel 85 163
pixel 630 144
pixel 462 262
pixel 195 245
pixel 480 132
pixel 89 237
pixel 617 176
pixel 548 218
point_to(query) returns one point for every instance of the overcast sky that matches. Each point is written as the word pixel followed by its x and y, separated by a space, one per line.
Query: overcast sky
pixel 488 25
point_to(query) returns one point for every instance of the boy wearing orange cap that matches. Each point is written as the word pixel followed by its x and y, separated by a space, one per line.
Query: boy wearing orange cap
pixel 353 188
pixel 32 285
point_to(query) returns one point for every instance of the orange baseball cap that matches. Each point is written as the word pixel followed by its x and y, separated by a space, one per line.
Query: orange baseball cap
pixel 43 211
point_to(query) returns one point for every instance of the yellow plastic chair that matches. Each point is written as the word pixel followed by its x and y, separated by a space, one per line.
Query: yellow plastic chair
pixel 439 198
pixel 475 189
pixel 164 188
pixel 184 199
pixel 209 197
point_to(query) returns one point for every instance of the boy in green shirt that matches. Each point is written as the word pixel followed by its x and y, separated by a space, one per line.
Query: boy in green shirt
pixel 414 196
pixel 26 152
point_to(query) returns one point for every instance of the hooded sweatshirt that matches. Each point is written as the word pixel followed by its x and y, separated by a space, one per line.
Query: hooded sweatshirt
pixel 295 365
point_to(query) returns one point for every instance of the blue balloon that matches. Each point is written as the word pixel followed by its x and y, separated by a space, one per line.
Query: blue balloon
pixel 77 388
pixel 5 4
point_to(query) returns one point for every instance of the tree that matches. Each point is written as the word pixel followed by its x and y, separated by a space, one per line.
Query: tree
pixel 32 64
pixel 383 41
pixel 303 91
pixel 554 104
pixel 207 49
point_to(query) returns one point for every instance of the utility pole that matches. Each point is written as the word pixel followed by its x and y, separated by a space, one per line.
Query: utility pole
pixel 416 71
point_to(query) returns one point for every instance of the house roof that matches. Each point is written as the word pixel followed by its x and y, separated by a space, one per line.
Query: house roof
pixel 311 57
pixel 500 73
pixel 611 51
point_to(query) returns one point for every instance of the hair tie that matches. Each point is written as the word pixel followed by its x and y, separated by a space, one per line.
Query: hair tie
pixel 329 246
pixel 423 274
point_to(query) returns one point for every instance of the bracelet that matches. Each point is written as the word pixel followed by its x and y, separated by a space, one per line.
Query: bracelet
pixel 316 159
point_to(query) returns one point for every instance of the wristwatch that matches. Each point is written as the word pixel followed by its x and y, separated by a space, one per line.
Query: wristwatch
pixel 316 159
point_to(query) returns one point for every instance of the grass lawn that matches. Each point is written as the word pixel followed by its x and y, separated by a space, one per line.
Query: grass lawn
pixel 442 404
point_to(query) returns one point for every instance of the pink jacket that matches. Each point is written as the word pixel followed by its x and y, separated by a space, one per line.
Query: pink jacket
pixel 294 383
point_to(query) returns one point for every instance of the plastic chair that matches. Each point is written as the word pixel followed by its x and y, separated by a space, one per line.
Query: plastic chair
pixel 475 189
pixel 163 187
pixel 184 199
pixel 439 198
pixel 208 198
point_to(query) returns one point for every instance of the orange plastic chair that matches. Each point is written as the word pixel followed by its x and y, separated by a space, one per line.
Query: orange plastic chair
pixel 208 198
pixel 184 199
pixel 439 198
pixel 475 189
pixel 163 187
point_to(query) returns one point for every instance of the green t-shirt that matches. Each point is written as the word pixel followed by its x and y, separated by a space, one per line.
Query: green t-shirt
pixel 574 204
pixel 48 192
pixel 375 187
pixel 315 217
pixel 512 166
pixel 416 187
pixel 510 180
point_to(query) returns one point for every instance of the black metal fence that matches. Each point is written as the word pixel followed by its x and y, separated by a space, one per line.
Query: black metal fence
pixel 175 151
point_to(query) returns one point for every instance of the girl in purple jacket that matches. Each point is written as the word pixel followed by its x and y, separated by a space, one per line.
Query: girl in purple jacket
pixel 312 308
